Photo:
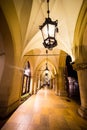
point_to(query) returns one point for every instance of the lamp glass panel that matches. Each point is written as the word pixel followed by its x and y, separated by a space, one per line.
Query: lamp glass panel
pixel 47 42
pixel 51 30
pixel 45 31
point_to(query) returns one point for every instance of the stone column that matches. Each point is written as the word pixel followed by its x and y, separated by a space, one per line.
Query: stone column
pixel 31 86
pixel 56 84
pixel 51 83
pixel 62 91
pixel 82 79
pixel 35 85
pixel 38 84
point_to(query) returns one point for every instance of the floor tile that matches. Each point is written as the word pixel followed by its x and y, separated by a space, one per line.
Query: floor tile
pixel 46 111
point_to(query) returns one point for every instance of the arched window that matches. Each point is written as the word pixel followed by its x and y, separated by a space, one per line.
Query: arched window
pixel 26 79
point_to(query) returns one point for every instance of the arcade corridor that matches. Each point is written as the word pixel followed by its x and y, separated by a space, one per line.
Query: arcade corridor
pixel 26 64
pixel 46 111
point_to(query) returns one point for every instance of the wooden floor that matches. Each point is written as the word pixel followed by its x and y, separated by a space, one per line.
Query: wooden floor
pixel 46 111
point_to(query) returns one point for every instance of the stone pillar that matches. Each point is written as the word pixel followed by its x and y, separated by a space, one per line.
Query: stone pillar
pixel 35 85
pixel 51 83
pixel 9 94
pixel 31 86
pixel 35 88
pixel 38 84
pixel 56 84
pixel 61 83
pixel 82 79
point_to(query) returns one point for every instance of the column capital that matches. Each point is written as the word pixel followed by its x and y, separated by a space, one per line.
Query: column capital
pixel 79 66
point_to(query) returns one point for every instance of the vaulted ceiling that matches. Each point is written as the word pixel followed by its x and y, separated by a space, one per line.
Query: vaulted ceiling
pixel 32 13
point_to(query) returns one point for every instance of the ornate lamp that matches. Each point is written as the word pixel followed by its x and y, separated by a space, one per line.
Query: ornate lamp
pixel 49 30
pixel 46 69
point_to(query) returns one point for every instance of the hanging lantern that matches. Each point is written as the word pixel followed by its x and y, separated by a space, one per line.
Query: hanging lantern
pixel 49 30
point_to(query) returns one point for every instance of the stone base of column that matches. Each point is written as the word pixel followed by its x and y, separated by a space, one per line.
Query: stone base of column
pixel 82 112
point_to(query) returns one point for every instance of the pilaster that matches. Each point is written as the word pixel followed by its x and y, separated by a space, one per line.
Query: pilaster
pixel 82 79
pixel 56 84
pixel 61 83
pixel 31 86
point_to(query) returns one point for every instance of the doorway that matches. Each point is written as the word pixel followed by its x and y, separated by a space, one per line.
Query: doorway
pixel 72 80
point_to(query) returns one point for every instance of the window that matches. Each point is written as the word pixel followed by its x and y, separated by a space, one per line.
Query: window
pixel 26 79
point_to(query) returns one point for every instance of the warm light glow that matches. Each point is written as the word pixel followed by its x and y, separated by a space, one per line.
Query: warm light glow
pixel 26 72
pixel 48 31
pixel 51 30
pixel 46 71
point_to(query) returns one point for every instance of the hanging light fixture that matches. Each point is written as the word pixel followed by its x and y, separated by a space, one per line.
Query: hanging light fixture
pixel 46 69
pixel 49 30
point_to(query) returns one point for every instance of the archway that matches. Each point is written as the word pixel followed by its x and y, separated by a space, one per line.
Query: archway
pixel 46 71
pixel 72 85
pixel 26 79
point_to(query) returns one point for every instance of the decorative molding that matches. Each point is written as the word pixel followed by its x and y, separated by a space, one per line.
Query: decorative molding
pixel 80 66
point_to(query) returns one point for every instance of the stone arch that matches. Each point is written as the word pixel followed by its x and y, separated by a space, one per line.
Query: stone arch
pixel 6 59
pixel 80 49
